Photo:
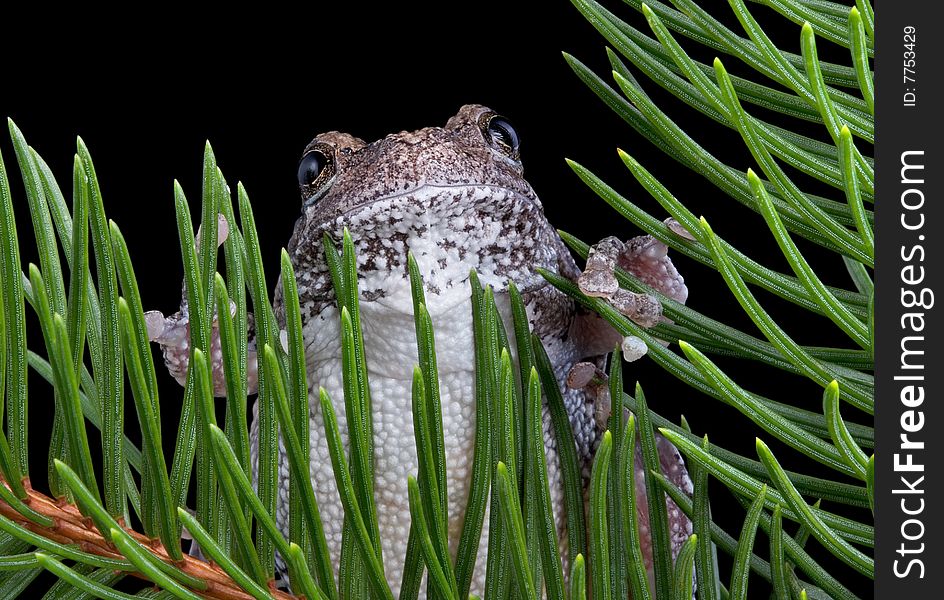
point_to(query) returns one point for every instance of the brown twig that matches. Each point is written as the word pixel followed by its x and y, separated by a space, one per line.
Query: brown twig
pixel 70 526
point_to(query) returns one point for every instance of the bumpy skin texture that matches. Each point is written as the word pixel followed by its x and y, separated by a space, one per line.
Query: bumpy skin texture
pixel 457 199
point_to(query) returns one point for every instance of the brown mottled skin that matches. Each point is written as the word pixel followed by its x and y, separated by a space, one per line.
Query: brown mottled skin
pixel 456 198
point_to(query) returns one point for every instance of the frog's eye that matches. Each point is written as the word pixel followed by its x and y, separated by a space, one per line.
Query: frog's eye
pixel 500 133
pixel 314 171
pixel 312 165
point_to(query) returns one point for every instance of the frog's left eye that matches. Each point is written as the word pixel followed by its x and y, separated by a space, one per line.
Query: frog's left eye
pixel 311 166
pixel 500 133
pixel 314 171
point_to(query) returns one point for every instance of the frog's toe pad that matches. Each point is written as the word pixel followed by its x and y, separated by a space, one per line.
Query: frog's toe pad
pixel 644 309
pixel 679 229
pixel 584 374
pixel 598 279
pixel 598 283
pixel 633 348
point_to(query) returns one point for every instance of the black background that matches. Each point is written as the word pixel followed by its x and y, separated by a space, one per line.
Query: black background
pixel 146 92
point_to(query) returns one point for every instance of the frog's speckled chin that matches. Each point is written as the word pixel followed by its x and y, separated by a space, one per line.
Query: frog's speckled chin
pixel 499 232
pixel 450 231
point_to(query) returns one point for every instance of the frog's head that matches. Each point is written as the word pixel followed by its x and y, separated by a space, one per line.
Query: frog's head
pixel 340 174
pixel 454 195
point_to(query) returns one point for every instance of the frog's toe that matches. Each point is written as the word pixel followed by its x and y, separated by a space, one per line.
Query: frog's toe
pixel 598 279
pixel 598 283
pixel 643 309
pixel 633 348
pixel 222 231
pixel 583 374
pixel 679 229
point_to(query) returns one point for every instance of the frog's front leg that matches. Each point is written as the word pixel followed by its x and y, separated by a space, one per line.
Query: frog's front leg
pixel 172 334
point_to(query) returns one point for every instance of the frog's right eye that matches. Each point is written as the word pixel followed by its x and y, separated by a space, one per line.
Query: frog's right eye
pixel 314 171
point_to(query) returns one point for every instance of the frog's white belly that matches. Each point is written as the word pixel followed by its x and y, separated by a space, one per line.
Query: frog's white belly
pixel 390 343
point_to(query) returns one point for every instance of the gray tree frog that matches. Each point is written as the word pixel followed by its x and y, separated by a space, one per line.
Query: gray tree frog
pixel 456 198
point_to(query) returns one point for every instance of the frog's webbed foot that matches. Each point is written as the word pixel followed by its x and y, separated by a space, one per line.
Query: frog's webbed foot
pixel 644 257
pixel 647 259
pixel 172 333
